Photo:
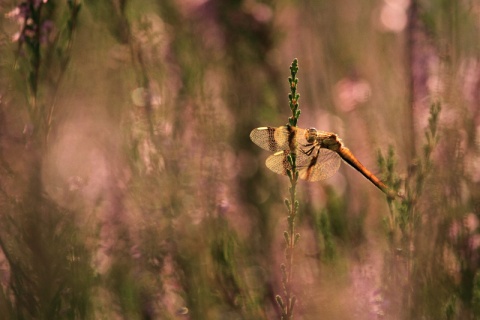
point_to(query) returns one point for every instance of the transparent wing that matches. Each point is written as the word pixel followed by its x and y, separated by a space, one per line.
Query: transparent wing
pixel 321 165
pixel 278 162
pixel 276 139
pixel 318 165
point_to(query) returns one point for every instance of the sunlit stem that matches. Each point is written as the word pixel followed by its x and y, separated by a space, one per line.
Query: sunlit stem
pixel 292 204
pixel 290 238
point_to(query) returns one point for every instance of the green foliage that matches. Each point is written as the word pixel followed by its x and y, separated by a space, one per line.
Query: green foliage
pixel 129 188
pixel 291 237
pixel 51 276
pixel 476 295
pixel 293 96
pixel 325 228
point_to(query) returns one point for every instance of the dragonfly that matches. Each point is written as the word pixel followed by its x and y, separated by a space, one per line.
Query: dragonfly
pixel 318 153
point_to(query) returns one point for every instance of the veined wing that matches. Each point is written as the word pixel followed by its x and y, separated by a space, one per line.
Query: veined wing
pixel 323 164
pixel 318 165
pixel 276 139
pixel 278 162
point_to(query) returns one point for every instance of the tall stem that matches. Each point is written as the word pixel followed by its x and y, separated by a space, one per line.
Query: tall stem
pixel 291 237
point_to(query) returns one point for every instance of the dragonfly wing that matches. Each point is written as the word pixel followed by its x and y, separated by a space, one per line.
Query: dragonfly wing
pixel 278 162
pixel 321 165
pixel 276 139
pixel 269 138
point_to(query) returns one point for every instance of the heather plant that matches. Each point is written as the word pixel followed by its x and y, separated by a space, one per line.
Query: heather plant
pixel 129 187
pixel 44 43
pixel 403 223
pixel 48 264
pixel 287 303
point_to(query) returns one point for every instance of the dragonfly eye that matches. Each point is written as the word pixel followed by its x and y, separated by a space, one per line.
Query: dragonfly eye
pixel 310 135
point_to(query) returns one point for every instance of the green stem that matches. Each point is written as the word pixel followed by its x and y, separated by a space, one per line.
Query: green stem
pixel 292 203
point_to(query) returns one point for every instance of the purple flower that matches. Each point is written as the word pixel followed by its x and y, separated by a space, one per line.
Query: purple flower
pixel 24 16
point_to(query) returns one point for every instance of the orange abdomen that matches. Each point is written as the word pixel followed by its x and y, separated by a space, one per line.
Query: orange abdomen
pixel 349 158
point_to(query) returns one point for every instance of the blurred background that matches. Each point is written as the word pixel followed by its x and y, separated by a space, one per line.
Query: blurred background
pixel 129 187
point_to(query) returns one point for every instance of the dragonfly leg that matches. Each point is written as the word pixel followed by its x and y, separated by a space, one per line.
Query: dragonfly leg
pixel 309 151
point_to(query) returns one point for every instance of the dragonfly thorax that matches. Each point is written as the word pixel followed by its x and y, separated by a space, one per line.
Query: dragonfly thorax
pixel 329 140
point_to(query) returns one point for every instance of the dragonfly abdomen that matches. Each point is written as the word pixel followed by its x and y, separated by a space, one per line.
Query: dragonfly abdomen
pixel 349 158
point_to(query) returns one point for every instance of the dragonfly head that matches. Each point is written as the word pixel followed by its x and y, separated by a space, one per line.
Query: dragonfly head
pixel 310 135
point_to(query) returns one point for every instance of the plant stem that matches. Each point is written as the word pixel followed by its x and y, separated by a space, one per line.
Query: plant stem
pixel 291 237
